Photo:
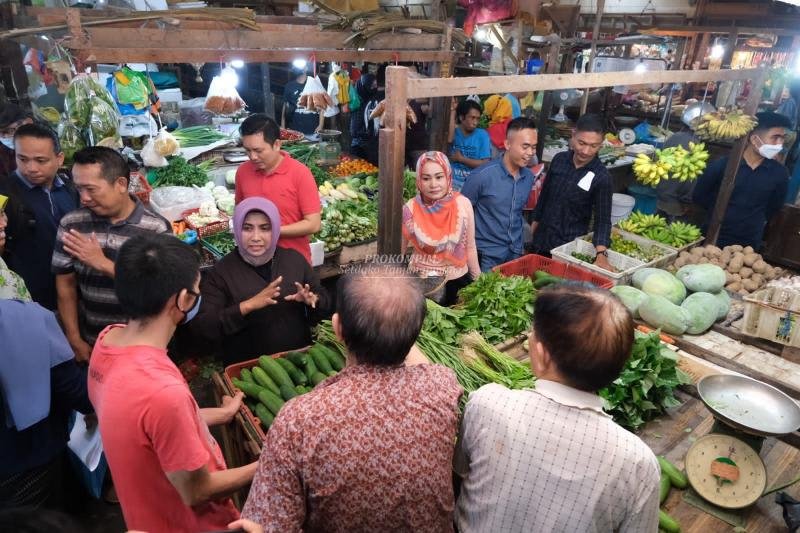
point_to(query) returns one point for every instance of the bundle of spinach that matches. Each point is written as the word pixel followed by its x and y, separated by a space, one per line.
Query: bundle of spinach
pixel 496 306
pixel 181 173
pixel 645 387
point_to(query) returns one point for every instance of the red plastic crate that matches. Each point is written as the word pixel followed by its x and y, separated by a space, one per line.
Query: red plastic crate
pixel 232 372
pixel 527 265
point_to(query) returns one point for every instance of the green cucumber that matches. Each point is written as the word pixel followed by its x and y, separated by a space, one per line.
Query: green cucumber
pixel 298 359
pixel 264 415
pixel 667 523
pixel 299 389
pixel 270 401
pixel 320 360
pixel 318 378
pixel 246 375
pixel 676 477
pixel 264 380
pixel 287 393
pixel 275 371
pixel 663 489
pixel 294 373
pixel 336 360
pixel 250 389
pixel 310 368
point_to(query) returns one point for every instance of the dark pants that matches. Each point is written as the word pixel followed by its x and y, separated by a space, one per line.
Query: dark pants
pixel 487 261
pixel 42 486
pixel 452 287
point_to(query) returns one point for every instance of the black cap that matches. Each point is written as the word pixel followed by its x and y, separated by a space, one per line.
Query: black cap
pixel 768 120
pixel 11 113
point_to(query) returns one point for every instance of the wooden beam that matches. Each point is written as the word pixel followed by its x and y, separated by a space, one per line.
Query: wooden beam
pixel 549 96
pixel 208 55
pixel 734 161
pixel 687 31
pixel 426 88
pixel 440 107
pixel 392 158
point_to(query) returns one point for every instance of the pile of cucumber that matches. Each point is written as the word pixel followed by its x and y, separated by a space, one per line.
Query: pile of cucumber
pixel 670 477
pixel 542 279
pixel 274 381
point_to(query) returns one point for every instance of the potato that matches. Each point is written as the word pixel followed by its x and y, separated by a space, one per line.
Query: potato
pixel 703 261
pixel 750 285
pixel 698 251
pixel 746 272
pixel 743 292
pixel 712 251
pixel 736 277
pixel 759 266
pixel 769 273
pixel 759 279
pixel 748 250
pixel 679 262
pixel 729 278
pixel 684 255
pixel 736 248
pixel 736 263
pixel 728 249
pixel 734 287
pixel 751 259
pixel 725 258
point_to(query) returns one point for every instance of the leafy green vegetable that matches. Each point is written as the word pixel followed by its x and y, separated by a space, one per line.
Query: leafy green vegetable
pixel 193 136
pixel 222 242
pixel 498 307
pixel 645 387
pixel 179 172
pixel 586 258
pixel 347 221
pixel 409 184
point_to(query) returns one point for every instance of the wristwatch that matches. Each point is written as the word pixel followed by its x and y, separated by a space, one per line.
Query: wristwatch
pixel 604 252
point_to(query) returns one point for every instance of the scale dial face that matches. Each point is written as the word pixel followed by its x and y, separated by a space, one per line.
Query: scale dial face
pixel 725 471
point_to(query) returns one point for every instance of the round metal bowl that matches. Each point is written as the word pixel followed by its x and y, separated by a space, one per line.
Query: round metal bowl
pixel 749 405
pixel 695 110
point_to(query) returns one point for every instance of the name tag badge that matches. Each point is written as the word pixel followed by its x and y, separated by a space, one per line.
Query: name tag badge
pixel 586 181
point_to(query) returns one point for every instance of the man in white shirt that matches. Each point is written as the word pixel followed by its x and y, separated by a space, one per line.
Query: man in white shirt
pixel 550 459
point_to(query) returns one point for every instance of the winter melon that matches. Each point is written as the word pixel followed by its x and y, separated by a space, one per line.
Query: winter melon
pixel 662 283
pixel 702 278
pixel 724 301
pixel 640 276
pixel 661 313
pixel 631 297
pixel 703 308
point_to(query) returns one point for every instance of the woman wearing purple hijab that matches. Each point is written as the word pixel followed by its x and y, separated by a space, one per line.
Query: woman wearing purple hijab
pixel 259 299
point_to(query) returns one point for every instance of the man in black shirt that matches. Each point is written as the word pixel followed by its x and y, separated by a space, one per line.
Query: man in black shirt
pixel 577 184
pixel 292 117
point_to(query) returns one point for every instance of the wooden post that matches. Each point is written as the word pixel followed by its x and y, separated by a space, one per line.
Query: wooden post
pixel 734 160
pixel 392 158
pixel 549 96
pixel 440 107
pixel 733 36
pixel 589 68
pixel 266 89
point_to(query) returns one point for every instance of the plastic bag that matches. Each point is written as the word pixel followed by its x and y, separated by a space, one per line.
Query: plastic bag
pixel 150 156
pixel 78 100
pixel 71 141
pixel 314 97
pixel 171 202
pixel 165 144
pixel 222 98
pixel 103 123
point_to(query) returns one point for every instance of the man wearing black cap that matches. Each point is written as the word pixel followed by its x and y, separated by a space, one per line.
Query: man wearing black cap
pixel 11 117
pixel 760 187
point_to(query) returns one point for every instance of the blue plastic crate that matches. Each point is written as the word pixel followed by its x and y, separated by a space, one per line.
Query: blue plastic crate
pixel 645 198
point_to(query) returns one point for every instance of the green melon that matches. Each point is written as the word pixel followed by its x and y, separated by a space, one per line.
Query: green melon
pixel 662 283
pixel 665 315
pixel 703 308
pixel 631 297
pixel 724 301
pixel 702 278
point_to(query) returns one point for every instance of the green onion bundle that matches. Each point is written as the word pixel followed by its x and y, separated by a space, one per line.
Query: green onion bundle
pixel 194 136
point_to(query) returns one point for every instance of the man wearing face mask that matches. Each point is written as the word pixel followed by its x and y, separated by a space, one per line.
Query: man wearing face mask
pixel 11 118
pixel 87 244
pixel 760 187
pixel 168 470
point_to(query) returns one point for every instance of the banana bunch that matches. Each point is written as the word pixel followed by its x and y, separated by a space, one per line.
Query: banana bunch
pixel 686 164
pixel 723 126
pixel 343 191
pixel 639 222
pixel 682 234
pixel 650 172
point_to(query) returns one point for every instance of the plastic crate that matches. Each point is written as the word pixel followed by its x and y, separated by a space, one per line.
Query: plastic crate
pixel 667 253
pixel 232 372
pixel 624 265
pixel 773 314
pixel 527 265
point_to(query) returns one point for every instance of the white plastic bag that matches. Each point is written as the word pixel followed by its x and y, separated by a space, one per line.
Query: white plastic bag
pixel 222 97
pixel 150 156
pixel 314 97
pixel 165 144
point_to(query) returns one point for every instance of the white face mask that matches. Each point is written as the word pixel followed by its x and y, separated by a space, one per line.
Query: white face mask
pixel 8 142
pixel 769 151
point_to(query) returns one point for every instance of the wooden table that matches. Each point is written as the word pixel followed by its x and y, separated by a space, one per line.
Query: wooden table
pixel 672 434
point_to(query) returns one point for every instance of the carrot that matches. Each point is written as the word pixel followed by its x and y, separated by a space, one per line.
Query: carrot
pixel 648 329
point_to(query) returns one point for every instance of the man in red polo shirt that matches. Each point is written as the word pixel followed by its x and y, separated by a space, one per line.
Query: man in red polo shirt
pixel 274 175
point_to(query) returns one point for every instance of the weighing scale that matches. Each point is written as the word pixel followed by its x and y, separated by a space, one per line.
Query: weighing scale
pixel 329 147
pixel 724 467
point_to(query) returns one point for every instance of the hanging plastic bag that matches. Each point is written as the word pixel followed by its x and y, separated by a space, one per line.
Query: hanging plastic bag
pixel 71 140
pixel 78 100
pixel 314 97
pixel 166 144
pixel 150 156
pixel 222 97
pixel 103 124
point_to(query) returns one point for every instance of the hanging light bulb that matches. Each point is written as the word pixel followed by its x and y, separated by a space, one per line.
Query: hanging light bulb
pixel 717 51
pixel 481 34
pixel 299 64
pixel 237 63
pixel 640 67
pixel 229 76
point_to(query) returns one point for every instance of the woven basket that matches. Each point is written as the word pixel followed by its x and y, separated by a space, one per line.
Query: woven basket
pixel 144 189
pixel 208 229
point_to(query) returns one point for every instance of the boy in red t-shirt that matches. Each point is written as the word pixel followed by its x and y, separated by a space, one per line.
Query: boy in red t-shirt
pixel 274 175
pixel 168 470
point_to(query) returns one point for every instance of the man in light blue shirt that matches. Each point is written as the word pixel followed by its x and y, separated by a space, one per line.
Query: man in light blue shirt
pixel 470 146
pixel 499 191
